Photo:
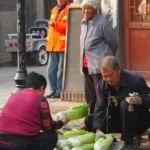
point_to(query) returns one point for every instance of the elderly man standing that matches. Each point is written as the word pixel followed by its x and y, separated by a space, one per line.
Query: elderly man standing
pixel 97 40
pixel 56 47
pixel 116 92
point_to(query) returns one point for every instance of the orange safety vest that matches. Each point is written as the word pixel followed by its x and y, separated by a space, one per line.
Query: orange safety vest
pixel 57 35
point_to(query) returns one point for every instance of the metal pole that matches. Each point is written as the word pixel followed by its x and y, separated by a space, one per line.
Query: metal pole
pixel 20 77
pixel 123 96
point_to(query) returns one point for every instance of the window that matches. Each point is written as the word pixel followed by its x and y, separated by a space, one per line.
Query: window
pixel 139 10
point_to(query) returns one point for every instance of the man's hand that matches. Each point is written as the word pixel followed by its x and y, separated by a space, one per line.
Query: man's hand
pixel 99 134
pixel 134 99
pixel 65 120
pixel 66 128
pixel 58 132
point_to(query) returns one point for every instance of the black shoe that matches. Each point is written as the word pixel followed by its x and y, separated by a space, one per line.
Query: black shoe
pixel 57 95
pixel 128 147
pixel 49 96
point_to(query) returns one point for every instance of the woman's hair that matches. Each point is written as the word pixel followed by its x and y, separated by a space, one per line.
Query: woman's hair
pixel 35 80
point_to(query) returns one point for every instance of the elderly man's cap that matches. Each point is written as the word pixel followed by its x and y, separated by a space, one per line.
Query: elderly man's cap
pixel 92 3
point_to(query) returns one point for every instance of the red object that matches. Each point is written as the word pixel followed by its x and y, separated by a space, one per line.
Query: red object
pixel 46 119
pixel 143 8
pixel 26 114
pixel 16 45
pixel 85 61
pixel 83 128
pixel 40 34
pixel 10 45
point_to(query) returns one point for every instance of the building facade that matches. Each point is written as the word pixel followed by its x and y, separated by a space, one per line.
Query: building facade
pixel 8 23
pixel 34 9
pixel 130 20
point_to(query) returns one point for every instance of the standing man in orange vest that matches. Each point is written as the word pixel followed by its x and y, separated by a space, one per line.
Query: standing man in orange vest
pixel 56 46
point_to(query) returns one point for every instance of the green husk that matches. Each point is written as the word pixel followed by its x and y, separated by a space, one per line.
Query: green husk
pixel 84 147
pixel 104 144
pixel 64 130
pixel 82 139
pixel 79 106
pixel 72 133
pixel 77 112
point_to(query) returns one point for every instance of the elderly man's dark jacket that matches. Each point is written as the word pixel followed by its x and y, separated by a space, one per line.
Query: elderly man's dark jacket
pixel 129 82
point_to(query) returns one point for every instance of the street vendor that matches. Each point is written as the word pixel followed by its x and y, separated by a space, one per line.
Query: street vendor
pixel 116 93
pixel 25 114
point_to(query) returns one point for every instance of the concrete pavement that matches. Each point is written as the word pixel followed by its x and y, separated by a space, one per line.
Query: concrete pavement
pixel 7 83
pixel 56 105
pixel 5 58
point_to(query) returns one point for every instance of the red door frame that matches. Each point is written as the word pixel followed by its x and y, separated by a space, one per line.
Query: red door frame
pixel 127 61
pixel 127 26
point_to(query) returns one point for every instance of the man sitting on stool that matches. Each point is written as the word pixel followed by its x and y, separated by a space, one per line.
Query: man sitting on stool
pixel 116 93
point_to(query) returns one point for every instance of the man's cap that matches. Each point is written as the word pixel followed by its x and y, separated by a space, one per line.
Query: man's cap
pixel 92 3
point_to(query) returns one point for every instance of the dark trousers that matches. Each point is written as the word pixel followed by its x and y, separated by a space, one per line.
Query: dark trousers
pixel 90 84
pixel 127 123
pixel 44 141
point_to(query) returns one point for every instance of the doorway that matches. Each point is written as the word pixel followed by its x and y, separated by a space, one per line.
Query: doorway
pixel 136 36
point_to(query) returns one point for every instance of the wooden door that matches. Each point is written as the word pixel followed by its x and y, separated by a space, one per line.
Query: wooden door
pixel 136 22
